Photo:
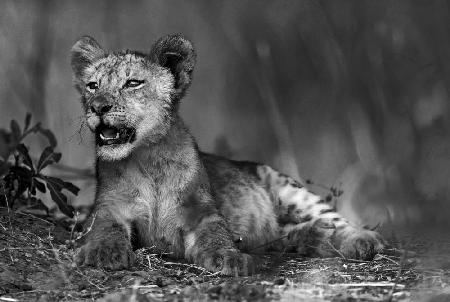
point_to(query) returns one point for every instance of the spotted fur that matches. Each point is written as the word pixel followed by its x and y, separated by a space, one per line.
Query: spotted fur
pixel 157 189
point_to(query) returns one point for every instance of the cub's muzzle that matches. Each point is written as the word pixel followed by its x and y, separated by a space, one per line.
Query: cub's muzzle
pixel 114 135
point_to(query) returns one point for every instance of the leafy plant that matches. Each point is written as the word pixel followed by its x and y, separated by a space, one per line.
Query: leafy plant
pixel 22 177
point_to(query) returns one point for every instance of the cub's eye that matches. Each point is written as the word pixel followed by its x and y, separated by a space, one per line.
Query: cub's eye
pixel 132 83
pixel 92 86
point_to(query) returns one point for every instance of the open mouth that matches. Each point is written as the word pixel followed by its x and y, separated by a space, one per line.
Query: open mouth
pixel 108 135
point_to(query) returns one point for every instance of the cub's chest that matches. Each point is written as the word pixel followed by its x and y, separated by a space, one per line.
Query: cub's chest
pixel 158 215
pixel 154 187
pixel 155 197
pixel 163 184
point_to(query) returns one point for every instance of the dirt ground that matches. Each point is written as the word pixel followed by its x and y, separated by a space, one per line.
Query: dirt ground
pixel 36 265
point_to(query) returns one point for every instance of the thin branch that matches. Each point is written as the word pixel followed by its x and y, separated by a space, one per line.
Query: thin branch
pixel 24 249
pixel 389 259
pixel 99 287
pixel 397 278
pixel 203 270
pixel 267 243
pixel 58 259
pixel 72 229
pixel 364 284
pixel 88 229
pixel 34 216
pixel 336 250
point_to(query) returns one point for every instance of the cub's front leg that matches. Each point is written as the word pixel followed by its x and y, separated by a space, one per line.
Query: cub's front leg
pixel 210 245
pixel 107 242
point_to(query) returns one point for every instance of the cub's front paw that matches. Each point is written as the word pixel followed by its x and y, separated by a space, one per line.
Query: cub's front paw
pixel 361 244
pixel 111 255
pixel 228 262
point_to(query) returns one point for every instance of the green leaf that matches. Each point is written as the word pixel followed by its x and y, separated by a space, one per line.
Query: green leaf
pixel 49 135
pixel 61 184
pixel 58 183
pixel 48 157
pixel 36 127
pixel 15 130
pixel 39 185
pixel 19 178
pixel 60 199
pixel 23 150
pixel 71 188
pixel 27 121
pixel 32 187
pixel 22 172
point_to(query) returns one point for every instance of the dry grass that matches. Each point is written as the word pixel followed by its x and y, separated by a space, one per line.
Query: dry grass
pixel 36 263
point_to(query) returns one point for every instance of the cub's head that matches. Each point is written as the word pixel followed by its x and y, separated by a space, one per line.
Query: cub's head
pixel 131 98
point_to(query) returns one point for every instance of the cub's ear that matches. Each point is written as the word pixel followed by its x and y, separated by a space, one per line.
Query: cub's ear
pixel 85 52
pixel 177 54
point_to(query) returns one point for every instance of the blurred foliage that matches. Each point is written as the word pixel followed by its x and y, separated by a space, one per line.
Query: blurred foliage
pixel 21 177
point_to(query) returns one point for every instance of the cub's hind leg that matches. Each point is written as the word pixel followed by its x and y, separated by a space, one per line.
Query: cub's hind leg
pixel 313 227
pixel 208 240
pixel 310 238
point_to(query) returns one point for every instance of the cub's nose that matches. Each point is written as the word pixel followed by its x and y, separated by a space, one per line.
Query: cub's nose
pixel 100 105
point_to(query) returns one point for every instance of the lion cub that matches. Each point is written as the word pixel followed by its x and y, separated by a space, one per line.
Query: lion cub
pixel 155 188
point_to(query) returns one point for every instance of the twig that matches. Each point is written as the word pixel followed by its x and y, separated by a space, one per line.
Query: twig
pixel 60 263
pixel 397 278
pixel 134 291
pixel 33 291
pixel 89 281
pixel 8 299
pixel 88 229
pixel 9 214
pixel 149 262
pixel 25 248
pixel 267 243
pixel 389 259
pixel 203 270
pixel 35 217
pixel 363 284
pixel 336 250
pixel 11 231
pixel 74 225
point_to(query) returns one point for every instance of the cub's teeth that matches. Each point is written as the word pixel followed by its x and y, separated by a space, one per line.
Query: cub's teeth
pixel 109 138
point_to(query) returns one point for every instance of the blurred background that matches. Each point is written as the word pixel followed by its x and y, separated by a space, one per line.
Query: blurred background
pixel 349 94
